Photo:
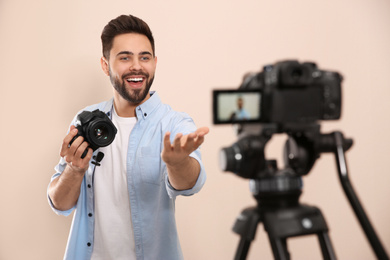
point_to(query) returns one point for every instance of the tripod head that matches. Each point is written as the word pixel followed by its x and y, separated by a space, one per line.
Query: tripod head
pixel 305 143
pixel 270 185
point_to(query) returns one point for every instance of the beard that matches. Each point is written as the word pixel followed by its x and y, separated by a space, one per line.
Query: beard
pixel 134 96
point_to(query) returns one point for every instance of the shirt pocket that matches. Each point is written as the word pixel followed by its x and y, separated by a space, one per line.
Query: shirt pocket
pixel 150 165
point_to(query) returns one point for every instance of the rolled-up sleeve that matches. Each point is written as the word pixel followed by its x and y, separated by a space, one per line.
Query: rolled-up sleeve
pixel 59 169
pixel 172 192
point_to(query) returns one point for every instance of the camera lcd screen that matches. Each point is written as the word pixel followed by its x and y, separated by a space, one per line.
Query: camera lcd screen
pixel 236 106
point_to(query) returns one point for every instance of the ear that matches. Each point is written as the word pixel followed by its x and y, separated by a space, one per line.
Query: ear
pixel 105 66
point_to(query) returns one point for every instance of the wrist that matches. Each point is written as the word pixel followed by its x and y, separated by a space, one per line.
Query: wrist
pixel 74 170
pixel 180 164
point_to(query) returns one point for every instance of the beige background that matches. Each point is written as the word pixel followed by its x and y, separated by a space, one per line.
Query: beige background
pixel 49 69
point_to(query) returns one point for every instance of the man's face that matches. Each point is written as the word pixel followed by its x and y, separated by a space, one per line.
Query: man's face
pixel 131 66
pixel 240 103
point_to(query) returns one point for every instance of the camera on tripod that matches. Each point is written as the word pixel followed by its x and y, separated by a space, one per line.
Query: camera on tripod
pixel 287 97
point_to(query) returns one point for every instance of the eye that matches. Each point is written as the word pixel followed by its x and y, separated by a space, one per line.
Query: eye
pixel 145 58
pixel 124 58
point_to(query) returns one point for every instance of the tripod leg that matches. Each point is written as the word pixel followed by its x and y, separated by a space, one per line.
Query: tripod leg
pixel 279 248
pixel 245 226
pixel 326 246
pixel 242 250
pixel 365 223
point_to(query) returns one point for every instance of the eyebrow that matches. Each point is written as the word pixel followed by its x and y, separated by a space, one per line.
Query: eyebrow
pixel 131 53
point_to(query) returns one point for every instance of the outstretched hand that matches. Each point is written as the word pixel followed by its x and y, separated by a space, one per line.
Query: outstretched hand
pixel 176 153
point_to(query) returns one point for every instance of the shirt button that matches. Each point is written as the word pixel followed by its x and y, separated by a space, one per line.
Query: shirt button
pixel 89 186
pixel 90 215
pixel 88 244
pixel 145 114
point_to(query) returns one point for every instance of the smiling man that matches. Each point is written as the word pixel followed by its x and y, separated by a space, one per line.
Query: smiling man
pixel 125 207
pixel 131 69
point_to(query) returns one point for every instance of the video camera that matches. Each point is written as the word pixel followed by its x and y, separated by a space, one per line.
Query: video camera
pixel 287 97
pixel 286 92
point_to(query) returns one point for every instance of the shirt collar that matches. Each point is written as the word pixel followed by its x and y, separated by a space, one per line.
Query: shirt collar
pixel 146 109
pixel 108 106
pixel 142 111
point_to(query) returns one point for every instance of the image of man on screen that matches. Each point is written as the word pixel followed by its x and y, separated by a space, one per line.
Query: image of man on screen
pixel 240 113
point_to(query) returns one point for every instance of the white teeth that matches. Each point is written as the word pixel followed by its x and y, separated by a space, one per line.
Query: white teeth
pixel 134 79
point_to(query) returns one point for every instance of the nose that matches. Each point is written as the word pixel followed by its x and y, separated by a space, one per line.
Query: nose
pixel 135 65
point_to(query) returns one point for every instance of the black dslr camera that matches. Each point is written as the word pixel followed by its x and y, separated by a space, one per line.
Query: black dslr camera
pixel 286 92
pixel 96 128
pixel 287 97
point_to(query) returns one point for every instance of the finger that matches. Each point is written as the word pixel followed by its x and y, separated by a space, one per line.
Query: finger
pixel 72 133
pixel 184 138
pixel 65 143
pixel 189 145
pixel 167 141
pixel 77 161
pixel 202 131
pixel 88 157
pixel 177 141
pixel 199 141
pixel 73 148
pixel 80 150
pixel 192 135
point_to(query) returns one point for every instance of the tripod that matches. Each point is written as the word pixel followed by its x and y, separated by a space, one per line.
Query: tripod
pixel 284 216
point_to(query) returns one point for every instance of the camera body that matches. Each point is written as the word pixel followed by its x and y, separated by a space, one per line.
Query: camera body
pixel 96 128
pixel 286 92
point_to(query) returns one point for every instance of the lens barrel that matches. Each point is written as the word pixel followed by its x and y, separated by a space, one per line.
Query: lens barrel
pixel 96 128
pixel 100 133
pixel 244 158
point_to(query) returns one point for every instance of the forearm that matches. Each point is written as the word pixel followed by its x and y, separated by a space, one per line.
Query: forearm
pixel 64 191
pixel 183 176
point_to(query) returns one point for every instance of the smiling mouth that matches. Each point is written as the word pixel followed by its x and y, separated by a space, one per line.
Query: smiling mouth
pixel 135 80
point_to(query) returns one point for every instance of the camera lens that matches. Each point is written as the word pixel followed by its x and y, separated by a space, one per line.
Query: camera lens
pixel 227 159
pixel 96 128
pixel 245 157
pixel 101 132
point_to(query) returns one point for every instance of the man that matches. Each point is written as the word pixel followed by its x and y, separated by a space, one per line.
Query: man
pixel 240 113
pixel 125 207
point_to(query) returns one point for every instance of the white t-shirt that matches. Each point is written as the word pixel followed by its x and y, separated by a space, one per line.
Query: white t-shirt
pixel 114 237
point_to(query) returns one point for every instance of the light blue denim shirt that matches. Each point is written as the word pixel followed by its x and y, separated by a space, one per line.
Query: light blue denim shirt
pixel 152 198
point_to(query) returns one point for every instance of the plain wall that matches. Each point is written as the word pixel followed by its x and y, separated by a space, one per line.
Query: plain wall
pixel 49 69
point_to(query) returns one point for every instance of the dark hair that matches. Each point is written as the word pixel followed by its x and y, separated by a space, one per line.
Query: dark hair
pixel 124 24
